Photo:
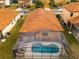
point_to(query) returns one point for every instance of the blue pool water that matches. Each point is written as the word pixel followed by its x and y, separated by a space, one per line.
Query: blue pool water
pixel 39 48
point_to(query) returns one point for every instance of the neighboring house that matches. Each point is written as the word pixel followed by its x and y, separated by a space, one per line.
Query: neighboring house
pixel 73 25
pixel 70 10
pixel 5 2
pixel 1 3
pixel 8 18
pixel 40 32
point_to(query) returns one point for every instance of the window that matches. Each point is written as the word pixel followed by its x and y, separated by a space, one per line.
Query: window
pixel 8 33
pixel 71 14
pixel 69 24
pixel 21 15
pixel 45 33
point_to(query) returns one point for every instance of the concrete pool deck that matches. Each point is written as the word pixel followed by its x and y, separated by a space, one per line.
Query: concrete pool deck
pixel 30 54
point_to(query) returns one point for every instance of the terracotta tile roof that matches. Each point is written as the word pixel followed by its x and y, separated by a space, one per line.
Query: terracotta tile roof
pixel 72 6
pixel 6 16
pixel 41 19
pixel 74 20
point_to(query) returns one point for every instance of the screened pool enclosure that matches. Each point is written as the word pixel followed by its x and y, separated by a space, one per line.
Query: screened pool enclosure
pixel 40 45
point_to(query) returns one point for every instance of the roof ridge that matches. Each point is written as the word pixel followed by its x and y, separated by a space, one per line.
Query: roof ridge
pixel 52 23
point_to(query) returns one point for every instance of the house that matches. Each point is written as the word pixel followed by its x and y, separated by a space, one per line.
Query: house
pixel 25 2
pixel 40 32
pixel 5 2
pixel 8 18
pixel 70 10
pixel 73 25
pixel 1 3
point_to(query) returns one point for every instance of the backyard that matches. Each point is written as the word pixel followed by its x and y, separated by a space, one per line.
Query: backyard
pixel 6 47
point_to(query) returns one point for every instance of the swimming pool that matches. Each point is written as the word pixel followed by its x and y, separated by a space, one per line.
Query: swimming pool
pixel 40 48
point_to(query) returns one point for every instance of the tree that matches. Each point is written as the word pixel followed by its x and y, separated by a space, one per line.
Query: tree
pixel 14 1
pixel 38 4
pixel 59 2
pixel 45 3
pixel 52 4
pixel 74 0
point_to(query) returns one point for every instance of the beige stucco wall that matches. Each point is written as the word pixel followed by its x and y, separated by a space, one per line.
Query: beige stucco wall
pixel 76 14
pixel 50 35
pixel 66 15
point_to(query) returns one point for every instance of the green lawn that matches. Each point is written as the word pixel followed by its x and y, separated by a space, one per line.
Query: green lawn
pixel 6 47
pixel 70 37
